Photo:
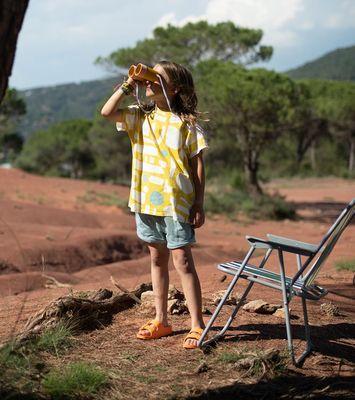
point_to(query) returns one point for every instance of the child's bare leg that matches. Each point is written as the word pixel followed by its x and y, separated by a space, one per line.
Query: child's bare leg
pixel 184 264
pixel 159 257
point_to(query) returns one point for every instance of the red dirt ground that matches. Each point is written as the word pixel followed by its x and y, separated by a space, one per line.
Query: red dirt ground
pixel 51 226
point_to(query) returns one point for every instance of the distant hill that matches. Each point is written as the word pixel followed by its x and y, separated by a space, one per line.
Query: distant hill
pixel 337 65
pixel 48 105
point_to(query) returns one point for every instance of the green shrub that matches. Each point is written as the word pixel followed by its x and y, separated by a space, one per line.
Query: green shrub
pixel 260 207
pixel 76 379
pixel 270 207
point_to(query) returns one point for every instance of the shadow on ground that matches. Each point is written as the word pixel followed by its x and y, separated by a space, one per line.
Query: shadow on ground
pixel 326 338
pixel 286 387
pixel 320 211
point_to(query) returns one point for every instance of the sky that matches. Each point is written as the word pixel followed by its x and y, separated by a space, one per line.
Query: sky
pixel 60 39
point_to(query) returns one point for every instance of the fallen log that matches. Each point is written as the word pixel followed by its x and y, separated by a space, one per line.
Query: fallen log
pixel 81 313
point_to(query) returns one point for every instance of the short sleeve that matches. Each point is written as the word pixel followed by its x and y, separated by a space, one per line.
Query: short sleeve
pixel 195 140
pixel 132 118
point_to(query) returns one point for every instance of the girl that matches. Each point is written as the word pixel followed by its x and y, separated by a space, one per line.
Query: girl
pixel 167 189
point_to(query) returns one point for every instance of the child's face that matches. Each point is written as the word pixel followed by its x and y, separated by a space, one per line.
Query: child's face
pixel 154 90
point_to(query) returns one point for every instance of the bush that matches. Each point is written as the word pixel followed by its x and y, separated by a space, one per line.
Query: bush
pixel 261 207
pixel 76 379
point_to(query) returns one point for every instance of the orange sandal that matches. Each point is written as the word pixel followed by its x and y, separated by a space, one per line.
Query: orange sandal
pixel 195 334
pixel 156 330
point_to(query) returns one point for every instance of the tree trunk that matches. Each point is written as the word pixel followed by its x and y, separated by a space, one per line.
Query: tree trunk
pixel 251 168
pixel 12 13
pixel 351 155
pixel 313 156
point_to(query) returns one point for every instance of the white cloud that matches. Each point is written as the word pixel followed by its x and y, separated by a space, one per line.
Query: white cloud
pixel 278 38
pixel 170 18
pixel 266 14
pixel 272 16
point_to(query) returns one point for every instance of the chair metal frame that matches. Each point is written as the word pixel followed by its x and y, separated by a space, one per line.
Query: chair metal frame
pixel 300 285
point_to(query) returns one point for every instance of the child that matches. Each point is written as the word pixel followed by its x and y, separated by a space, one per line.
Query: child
pixel 167 188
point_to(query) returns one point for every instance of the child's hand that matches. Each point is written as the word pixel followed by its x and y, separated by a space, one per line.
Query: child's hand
pixel 131 81
pixel 197 216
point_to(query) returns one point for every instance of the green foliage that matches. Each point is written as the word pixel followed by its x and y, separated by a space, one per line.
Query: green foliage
pixel 231 202
pixel 192 43
pixel 12 109
pixel 111 151
pixel 62 150
pixel 19 369
pixel 335 101
pixel 57 339
pixel 345 265
pixel 12 106
pixel 74 380
pixel 24 373
pixel 338 65
pixel 249 109
pixel 270 207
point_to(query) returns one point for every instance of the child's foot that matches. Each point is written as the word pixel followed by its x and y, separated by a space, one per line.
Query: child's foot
pixel 190 341
pixel 154 329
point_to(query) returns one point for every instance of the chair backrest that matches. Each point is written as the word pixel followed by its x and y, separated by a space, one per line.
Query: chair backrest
pixel 329 240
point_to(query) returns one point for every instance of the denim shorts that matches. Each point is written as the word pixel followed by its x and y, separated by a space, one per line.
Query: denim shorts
pixel 156 229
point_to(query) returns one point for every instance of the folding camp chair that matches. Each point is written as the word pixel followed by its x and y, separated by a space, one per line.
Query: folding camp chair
pixel 301 284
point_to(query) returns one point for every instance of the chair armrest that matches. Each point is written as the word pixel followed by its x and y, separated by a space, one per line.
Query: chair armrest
pixel 294 246
pixel 258 243
pixel 277 242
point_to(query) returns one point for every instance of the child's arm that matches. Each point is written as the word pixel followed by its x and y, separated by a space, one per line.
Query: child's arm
pixel 197 214
pixel 109 110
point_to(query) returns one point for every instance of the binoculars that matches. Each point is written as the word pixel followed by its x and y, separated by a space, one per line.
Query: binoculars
pixel 141 72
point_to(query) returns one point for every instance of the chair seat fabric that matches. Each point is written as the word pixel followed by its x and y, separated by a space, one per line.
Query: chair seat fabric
pixel 299 289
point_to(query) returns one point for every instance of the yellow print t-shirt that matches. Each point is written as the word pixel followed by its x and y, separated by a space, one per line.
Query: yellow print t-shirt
pixel 162 145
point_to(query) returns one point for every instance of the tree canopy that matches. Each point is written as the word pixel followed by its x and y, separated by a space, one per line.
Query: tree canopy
pixel 192 43
pixel 250 109
pixel 335 101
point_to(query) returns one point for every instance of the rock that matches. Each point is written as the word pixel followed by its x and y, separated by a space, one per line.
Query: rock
pixel 177 307
pixel 206 311
pixel 255 305
pixel 175 293
pixel 172 304
pixel 217 297
pixel 261 307
pixel 280 313
pixel 223 278
pixel 330 309
pixel 270 308
pixel 176 302
pixel 147 296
